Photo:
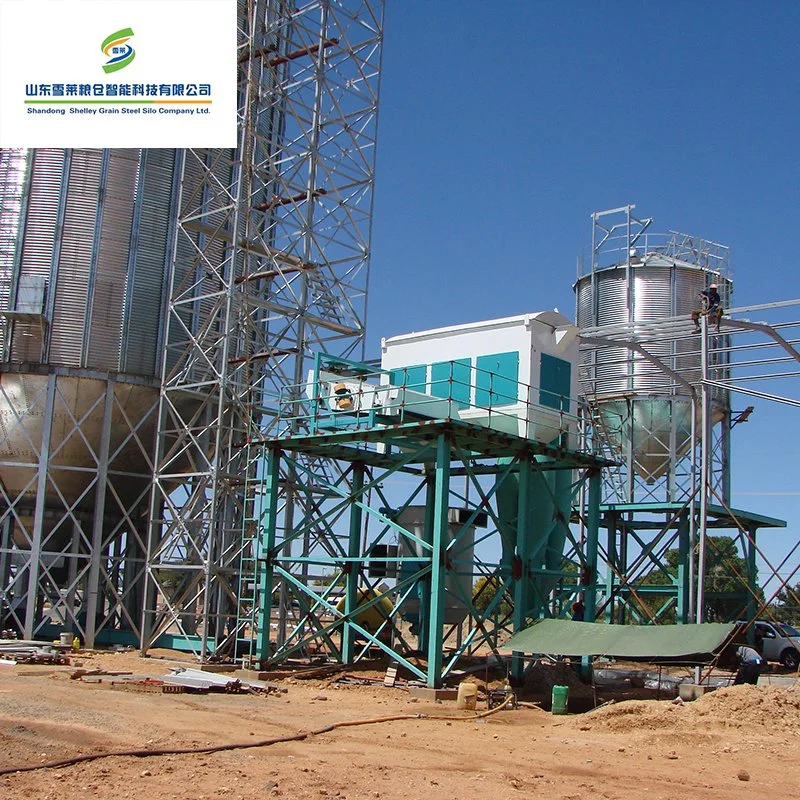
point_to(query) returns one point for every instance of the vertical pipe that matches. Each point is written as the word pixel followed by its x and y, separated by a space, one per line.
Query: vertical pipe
pixel 308 256
pixel 353 566
pixel 438 564
pixel 752 575
pixel 424 587
pixel 692 579
pixel 705 465
pixel 592 538
pixel 622 559
pixel 35 558
pixel 613 565
pixel 673 451
pixel 522 577
pixel 93 583
pixel 684 557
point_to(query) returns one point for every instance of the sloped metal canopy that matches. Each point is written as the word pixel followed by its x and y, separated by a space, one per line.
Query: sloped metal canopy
pixel 633 642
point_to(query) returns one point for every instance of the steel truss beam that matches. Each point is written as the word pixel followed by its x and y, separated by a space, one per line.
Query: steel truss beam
pixel 270 261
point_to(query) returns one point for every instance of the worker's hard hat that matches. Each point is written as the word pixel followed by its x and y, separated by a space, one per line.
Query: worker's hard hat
pixel 713 286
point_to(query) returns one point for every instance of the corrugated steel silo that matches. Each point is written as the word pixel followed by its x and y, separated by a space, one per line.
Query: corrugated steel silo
pixel 644 414
pixel 86 240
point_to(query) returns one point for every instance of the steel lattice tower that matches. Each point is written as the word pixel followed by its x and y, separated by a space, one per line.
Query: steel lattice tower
pixel 270 264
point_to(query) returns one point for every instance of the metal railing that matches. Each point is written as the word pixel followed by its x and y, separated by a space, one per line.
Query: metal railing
pixel 343 394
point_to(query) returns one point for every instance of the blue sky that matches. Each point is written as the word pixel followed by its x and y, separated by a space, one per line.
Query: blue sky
pixel 503 126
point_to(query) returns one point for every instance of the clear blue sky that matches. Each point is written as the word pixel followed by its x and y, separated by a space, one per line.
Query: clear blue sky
pixel 504 125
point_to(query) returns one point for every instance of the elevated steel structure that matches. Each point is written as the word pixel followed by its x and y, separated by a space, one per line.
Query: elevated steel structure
pixel 422 506
pixel 271 259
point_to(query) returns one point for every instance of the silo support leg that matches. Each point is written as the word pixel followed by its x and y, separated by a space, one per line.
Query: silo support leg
pixel 93 588
pixel 38 514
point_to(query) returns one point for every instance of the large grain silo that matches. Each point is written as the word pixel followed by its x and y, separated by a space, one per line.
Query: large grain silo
pixel 641 288
pixel 86 240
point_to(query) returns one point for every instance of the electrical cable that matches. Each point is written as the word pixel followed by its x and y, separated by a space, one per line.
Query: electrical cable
pixel 172 751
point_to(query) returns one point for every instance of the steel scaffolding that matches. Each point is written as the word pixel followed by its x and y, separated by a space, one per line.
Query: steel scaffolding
pixel 271 262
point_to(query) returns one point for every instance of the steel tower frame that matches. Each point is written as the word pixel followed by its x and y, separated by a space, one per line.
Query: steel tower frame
pixel 278 237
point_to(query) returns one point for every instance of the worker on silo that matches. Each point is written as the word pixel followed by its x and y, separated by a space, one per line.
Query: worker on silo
pixel 711 304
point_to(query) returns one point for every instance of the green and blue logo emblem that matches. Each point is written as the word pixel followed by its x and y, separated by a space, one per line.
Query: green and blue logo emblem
pixel 119 52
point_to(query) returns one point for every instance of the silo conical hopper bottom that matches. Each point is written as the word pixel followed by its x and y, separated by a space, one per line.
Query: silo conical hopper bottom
pixel 658 429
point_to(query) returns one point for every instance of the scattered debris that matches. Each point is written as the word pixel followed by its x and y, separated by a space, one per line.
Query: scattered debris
pixel 29 651
pixel 84 673
pixel 743 775
pixel 390 677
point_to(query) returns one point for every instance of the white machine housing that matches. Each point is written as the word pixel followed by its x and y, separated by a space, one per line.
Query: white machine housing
pixel 516 374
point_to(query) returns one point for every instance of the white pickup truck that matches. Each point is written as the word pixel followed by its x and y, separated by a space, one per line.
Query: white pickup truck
pixel 777 641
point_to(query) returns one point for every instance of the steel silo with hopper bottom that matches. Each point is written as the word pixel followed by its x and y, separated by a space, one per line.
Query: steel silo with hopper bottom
pixel 646 296
pixel 86 240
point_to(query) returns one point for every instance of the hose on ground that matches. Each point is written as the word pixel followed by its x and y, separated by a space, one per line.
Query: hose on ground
pixel 297 737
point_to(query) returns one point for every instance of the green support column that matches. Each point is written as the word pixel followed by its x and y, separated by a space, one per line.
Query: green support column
pixel 438 565
pixel 353 567
pixel 682 602
pixel 521 598
pixel 265 557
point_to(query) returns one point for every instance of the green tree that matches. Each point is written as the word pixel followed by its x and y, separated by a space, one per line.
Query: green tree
pixel 725 584
pixel 483 593
pixel 786 605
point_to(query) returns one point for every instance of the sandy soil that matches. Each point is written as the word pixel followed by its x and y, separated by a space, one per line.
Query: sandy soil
pixel 730 744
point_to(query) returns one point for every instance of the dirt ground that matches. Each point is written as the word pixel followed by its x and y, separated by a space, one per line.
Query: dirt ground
pixel 729 744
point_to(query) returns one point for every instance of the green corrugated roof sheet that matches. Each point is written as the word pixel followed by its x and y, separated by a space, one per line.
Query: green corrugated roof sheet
pixel 652 642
